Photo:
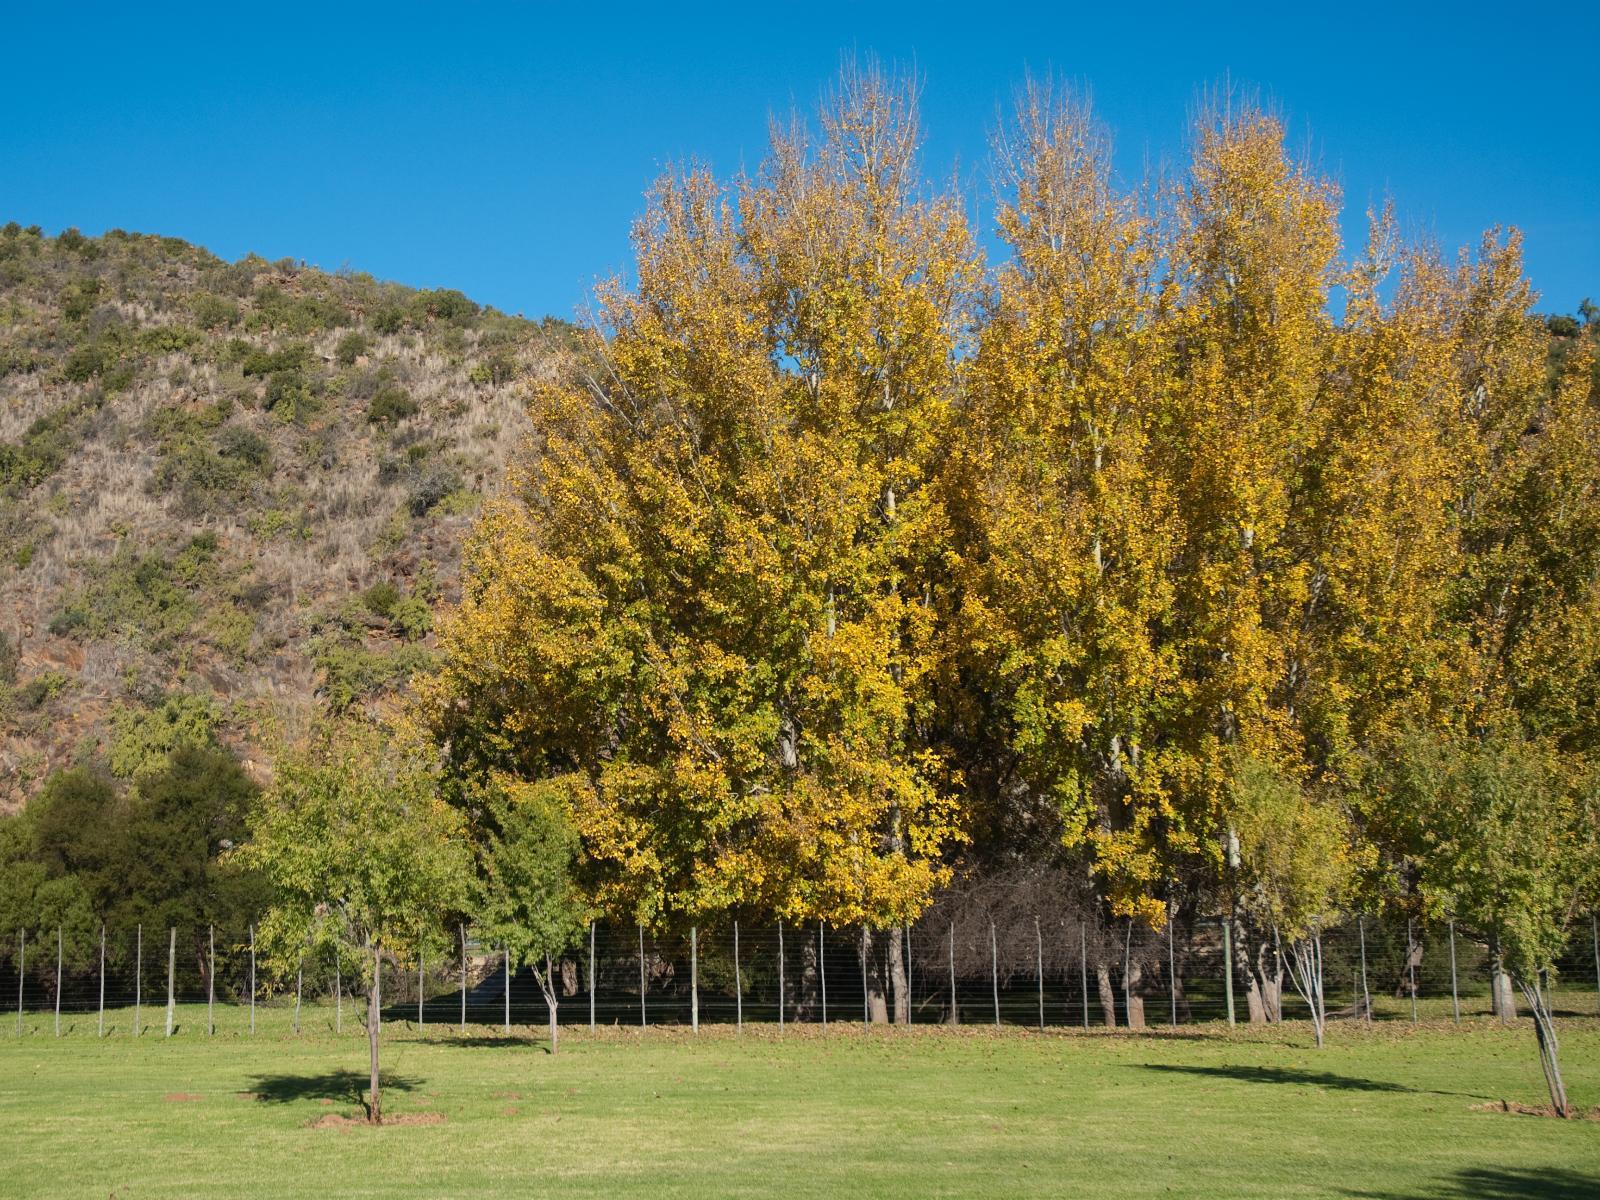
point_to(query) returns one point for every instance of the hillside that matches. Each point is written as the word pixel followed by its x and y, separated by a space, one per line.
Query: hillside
pixel 228 491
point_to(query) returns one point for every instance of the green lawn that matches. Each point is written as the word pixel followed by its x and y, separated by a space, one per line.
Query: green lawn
pixel 663 1113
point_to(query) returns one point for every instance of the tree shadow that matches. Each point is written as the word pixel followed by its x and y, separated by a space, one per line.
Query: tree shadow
pixel 492 1042
pixel 1502 1183
pixel 331 1085
pixel 1323 1079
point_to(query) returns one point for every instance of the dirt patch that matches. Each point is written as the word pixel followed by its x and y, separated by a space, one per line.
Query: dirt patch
pixel 506 1096
pixel 1534 1110
pixel 335 1121
pixel 182 1097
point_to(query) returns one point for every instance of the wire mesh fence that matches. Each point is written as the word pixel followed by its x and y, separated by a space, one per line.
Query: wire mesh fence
pixel 1029 971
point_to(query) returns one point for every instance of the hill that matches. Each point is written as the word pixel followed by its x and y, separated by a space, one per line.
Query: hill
pixel 229 491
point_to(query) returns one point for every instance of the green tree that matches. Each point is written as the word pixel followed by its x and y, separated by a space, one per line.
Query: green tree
pixel 363 855
pixel 529 902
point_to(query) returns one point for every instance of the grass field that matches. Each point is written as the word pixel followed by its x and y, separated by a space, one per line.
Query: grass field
pixel 1386 1112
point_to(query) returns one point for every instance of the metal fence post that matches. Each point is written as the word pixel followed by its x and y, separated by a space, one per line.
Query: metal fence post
pixel 1083 967
pixel 821 965
pixel 299 987
pixel 1455 995
pixel 138 970
pixel 1172 964
pixel 1594 933
pixel 462 929
pixel 1411 969
pixel 694 978
pixel 505 954
pixel 58 981
pixel 252 979
pixel 101 1031
pixel 591 976
pixel 211 982
pixel 338 995
pixel 1227 965
pixel 172 969
pixel 911 990
pixel 1038 942
pixel 1366 996
pixel 644 1018
pixel 866 1003
pixel 994 972
pixel 422 961
pixel 955 1012
pixel 738 982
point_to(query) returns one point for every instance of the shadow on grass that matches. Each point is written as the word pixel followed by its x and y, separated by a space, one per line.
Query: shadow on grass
pixel 504 1041
pixel 1502 1183
pixel 350 1086
pixel 1323 1079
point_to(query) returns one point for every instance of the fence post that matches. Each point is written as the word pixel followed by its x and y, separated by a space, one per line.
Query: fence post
pixel 252 979
pixel 955 1013
pixel 1227 964
pixel 866 1004
pixel 994 972
pixel 1127 971
pixel 505 954
pixel 211 982
pixel 1366 996
pixel 421 965
pixel 1411 969
pixel 644 1017
pixel 172 970
pixel 694 978
pixel 102 1027
pixel 58 981
pixel 911 990
pixel 138 970
pixel 1038 942
pixel 299 987
pixel 781 993
pixel 338 995
pixel 591 976
pixel 22 963
pixel 1594 933
pixel 1083 967
pixel 1172 965
pixel 822 966
pixel 738 982
pixel 462 929
pixel 1455 995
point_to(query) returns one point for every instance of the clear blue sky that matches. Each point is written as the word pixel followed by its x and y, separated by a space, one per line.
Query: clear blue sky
pixel 503 150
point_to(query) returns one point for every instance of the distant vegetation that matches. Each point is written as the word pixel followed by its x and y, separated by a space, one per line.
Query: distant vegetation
pixel 241 484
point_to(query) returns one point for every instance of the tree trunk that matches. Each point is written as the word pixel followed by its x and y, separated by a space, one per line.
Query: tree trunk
pixel 547 985
pixel 877 1005
pixel 1545 1031
pixel 898 979
pixel 1502 999
pixel 1135 1002
pixel 374 1019
pixel 1108 994
pixel 806 1003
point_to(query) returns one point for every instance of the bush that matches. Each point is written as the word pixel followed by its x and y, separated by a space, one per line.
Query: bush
pixel 389 319
pixel 351 347
pixel 429 487
pixel 390 405
pixel 381 598
pixel 213 312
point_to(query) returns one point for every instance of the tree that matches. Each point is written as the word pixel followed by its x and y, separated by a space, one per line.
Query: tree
pixel 529 902
pixel 1296 850
pixel 362 853
pixel 1509 842
pixel 705 608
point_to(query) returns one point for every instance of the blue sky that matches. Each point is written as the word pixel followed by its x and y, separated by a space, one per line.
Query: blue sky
pixel 503 150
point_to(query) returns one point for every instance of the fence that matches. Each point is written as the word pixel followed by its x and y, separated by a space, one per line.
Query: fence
pixel 1028 972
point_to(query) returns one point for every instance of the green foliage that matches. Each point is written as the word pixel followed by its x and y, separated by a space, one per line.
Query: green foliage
pixel 151 598
pixel 213 312
pixel 359 849
pixel 390 405
pixel 351 347
pixel 144 738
